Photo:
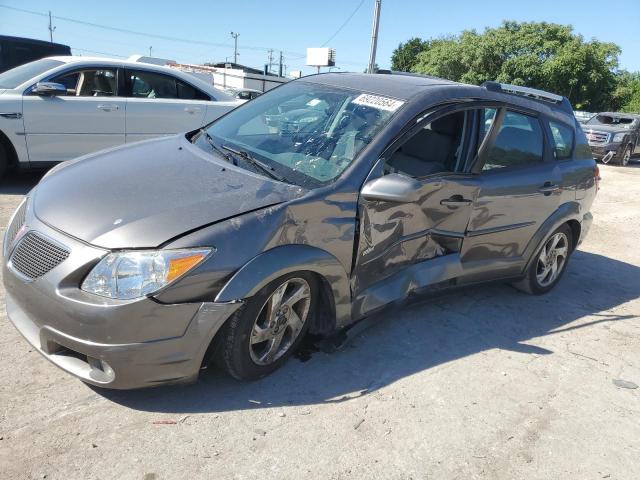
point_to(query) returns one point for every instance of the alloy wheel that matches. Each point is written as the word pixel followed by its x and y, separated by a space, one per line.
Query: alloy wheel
pixel 280 321
pixel 626 157
pixel 552 259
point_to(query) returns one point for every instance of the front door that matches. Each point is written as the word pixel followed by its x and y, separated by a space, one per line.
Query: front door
pixel 90 117
pixel 401 241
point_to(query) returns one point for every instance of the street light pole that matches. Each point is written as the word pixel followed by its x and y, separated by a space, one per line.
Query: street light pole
pixel 235 46
pixel 374 36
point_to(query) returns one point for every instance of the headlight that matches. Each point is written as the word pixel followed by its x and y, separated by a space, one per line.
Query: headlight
pixel 134 274
pixel 618 137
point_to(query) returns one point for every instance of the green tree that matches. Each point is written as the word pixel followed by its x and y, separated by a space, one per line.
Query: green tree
pixel 405 56
pixel 627 94
pixel 540 55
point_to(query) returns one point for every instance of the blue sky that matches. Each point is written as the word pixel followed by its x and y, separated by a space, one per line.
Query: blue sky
pixel 293 26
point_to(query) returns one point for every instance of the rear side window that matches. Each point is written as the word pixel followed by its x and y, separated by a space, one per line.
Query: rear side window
pixel 518 142
pixel 562 140
pixel 187 92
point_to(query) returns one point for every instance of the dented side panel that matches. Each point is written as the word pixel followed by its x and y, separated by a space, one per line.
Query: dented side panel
pixel 396 235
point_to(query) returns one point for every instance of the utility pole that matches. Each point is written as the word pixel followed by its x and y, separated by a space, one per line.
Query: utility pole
pixel 374 36
pixel 270 59
pixel 235 47
pixel 51 28
pixel 150 48
pixel 280 68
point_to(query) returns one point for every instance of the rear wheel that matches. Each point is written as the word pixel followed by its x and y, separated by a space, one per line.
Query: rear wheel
pixel 260 336
pixel 626 156
pixel 549 263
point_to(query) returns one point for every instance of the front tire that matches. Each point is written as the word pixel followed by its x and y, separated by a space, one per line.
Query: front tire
pixel 4 160
pixel 263 334
pixel 549 263
pixel 626 156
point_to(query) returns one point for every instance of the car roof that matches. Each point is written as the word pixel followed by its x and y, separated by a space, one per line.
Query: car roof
pixel 401 87
pixel 419 89
pixel 192 79
pixel 620 114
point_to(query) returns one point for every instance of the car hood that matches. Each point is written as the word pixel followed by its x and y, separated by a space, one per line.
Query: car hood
pixel 143 195
pixel 604 128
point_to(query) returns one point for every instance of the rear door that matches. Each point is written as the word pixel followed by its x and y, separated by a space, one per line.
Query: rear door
pixel 520 186
pixel 161 104
pixel 90 117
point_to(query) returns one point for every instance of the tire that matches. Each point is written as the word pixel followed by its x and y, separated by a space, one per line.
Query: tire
pixel 540 276
pixel 625 157
pixel 242 352
pixel 4 160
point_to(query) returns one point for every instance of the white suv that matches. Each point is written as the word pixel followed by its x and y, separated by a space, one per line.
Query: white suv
pixel 59 108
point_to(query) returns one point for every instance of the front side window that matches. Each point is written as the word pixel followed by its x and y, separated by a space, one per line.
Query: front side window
pixel 518 142
pixel 306 132
pixel 187 92
pixel 562 140
pixel 435 148
pixel 90 82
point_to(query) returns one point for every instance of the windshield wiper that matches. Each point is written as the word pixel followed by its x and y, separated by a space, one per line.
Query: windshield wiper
pixel 256 163
pixel 225 155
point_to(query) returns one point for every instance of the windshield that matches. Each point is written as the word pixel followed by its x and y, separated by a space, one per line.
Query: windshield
pixel 307 133
pixel 17 76
pixel 622 122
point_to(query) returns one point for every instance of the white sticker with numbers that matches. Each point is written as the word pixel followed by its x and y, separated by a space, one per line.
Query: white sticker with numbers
pixel 376 101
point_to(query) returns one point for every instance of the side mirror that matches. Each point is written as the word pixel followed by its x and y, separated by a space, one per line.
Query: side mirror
pixel 49 89
pixel 392 188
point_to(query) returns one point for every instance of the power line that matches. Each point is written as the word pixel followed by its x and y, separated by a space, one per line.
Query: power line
pixel 344 24
pixel 142 34
pixel 288 54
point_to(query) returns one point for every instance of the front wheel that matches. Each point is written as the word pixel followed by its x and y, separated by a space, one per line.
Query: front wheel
pixel 626 156
pixel 260 336
pixel 549 263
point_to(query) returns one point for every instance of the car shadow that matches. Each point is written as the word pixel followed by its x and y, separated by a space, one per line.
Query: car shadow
pixel 20 183
pixel 403 341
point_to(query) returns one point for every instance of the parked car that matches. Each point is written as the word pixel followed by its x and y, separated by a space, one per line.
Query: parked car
pixel 136 266
pixel 59 108
pixel 243 93
pixel 15 51
pixel 614 136
pixel 582 116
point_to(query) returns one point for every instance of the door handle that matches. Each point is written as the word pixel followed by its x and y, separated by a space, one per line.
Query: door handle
pixel 455 201
pixel 192 110
pixel 548 188
pixel 107 107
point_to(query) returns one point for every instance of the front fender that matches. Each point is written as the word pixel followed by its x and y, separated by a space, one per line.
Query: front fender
pixel 278 261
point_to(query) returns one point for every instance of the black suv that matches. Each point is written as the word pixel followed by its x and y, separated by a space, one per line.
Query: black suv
pixel 614 136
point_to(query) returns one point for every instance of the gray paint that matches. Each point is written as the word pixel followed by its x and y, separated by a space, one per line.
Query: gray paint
pixel 371 240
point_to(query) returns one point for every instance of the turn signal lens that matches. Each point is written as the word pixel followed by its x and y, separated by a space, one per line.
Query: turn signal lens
pixel 179 266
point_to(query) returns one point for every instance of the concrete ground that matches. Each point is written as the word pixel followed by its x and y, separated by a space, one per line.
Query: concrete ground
pixel 487 383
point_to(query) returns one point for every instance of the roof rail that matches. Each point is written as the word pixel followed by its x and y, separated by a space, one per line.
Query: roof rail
pixel 525 91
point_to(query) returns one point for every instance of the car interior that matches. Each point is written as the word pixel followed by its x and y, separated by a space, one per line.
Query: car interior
pixel 435 148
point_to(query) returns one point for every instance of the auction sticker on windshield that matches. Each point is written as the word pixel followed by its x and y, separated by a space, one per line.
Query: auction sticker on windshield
pixel 376 101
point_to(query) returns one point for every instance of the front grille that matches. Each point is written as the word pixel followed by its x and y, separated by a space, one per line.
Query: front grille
pixel 35 255
pixel 597 137
pixel 16 224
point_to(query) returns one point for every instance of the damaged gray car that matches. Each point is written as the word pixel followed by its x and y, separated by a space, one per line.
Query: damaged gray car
pixel 304 210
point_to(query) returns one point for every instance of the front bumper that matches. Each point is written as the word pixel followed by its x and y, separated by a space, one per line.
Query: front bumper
pixel 601 150
pixel 105 342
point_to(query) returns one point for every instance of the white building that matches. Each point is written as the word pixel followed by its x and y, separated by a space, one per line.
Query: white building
pixel 232 76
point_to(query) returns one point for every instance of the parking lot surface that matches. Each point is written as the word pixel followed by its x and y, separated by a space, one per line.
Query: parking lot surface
pixel 486 382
